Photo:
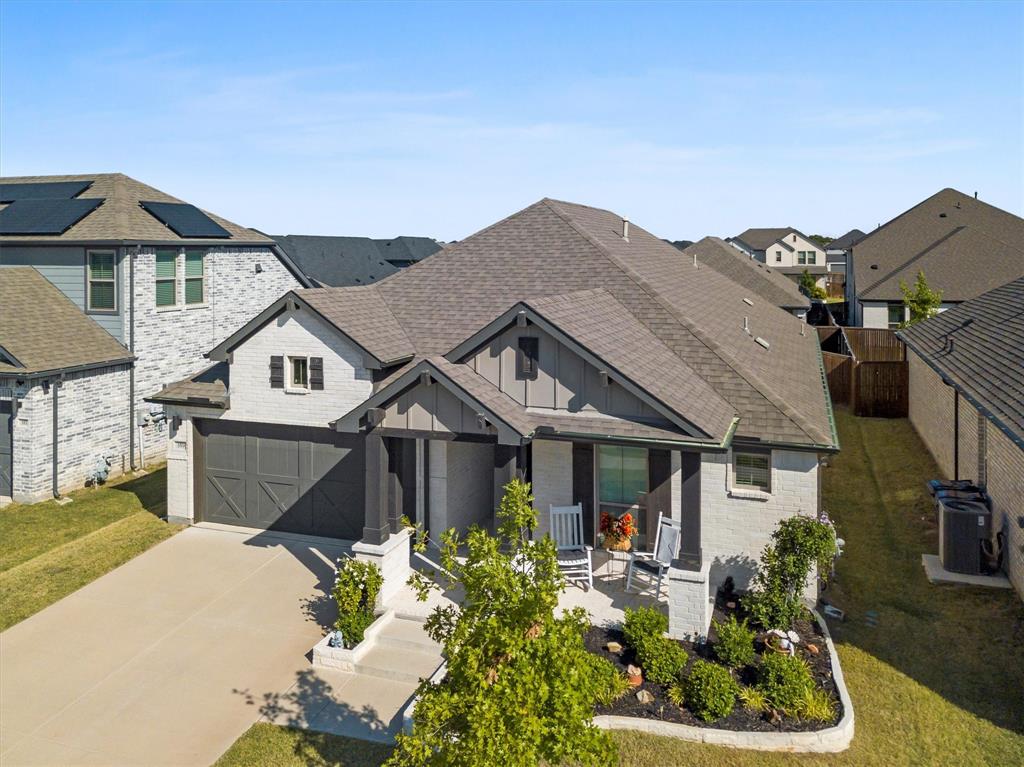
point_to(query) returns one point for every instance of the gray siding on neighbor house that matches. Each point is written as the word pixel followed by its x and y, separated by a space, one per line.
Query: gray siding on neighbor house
pixel 64 266
pixel 565 381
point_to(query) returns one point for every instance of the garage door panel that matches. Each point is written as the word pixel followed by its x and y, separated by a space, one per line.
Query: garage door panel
pixel 291 479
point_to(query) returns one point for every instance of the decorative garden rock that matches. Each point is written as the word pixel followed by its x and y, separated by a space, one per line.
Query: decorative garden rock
pixel 644 696
pixel 614 647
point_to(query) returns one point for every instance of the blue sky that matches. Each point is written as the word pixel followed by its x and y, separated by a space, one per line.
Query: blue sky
pixel 438 119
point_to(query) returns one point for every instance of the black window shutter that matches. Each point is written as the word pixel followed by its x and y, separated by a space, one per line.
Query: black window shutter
pixel 316 373
pixel 277 372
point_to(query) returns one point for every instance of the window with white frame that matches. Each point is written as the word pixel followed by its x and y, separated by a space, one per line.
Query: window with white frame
pixel 812 257
pixel 897 315
pixel 778 256
pixel 166 278
pixel 101 285
pixel 298 373
pixel 752 470
pixel 801 257
pixel 195 277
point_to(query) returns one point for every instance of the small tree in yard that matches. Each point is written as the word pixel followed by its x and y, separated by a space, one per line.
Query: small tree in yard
pixel 798 544
pixel 520 687
pixel 809 287
pixel 922 301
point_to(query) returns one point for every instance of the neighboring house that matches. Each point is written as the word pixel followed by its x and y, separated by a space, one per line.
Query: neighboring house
pixel 837 251
pixel 967 403
pixel 749 274
pixel 964 246
pixel 786 250
pixel 165 280
pixel 558 343
pixel 64 380
pixel 344 261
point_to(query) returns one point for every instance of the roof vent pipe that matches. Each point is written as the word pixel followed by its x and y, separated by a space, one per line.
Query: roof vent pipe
pixel 695 258
pixel 746 325
pixel 625 229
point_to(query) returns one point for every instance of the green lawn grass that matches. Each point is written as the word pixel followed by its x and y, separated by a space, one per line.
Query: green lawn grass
pixel 938 681
pixel 268 744
pixel 50 550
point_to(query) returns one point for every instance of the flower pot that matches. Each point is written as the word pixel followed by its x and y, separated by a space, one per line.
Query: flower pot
pixel 634 676
pixel 617 544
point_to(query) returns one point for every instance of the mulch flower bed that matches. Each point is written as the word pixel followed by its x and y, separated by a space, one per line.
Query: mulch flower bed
pixel 741 718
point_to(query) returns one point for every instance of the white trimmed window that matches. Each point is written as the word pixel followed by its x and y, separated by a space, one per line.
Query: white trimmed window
pixel 166 278
pixel 195 277
pixel 101 285
pixel 752 471
pixel 298 373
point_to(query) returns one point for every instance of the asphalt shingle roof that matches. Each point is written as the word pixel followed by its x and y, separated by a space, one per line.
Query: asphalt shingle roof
pixel 361 313
pixel 762 238
pixel 767 282
pixel 344 261
pixel 979 346
pixel 120 218
pixel 44 331
pixel 964 246
pixel 847 241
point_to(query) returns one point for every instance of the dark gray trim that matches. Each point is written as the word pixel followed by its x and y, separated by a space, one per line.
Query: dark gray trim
pixel 438 436
pixel 690 551
pixel 375 522
pixel 476 341
pixel 30 375
pixel 14 360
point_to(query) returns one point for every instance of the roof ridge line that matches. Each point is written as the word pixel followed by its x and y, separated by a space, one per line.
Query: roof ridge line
pixel 383 299
pixel 760 386
pixel 917 257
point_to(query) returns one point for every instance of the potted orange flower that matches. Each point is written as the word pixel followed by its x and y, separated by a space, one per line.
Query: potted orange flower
pixel 618 532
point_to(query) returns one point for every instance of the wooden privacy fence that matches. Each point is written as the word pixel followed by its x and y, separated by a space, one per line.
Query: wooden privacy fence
pixel 872 377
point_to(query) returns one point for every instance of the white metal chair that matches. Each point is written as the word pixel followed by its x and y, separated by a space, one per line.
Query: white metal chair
pixel 574 556
pixel 666 548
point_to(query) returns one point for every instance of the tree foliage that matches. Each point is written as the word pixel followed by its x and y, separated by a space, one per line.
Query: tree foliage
pixel 809 287
pixel 922 301
pixel 798 544
pixel 521 687
pixel 355 590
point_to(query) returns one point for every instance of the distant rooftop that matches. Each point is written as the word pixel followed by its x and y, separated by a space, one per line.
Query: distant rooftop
pixel 347 261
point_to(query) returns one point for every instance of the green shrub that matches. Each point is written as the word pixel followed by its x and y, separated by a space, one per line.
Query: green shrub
pixel 816 704
pixel 643 623
pixel 611 683
pixel 355 590
pixel 710 691
pixel 735 645
pixel 753 699
pixel 798 544
pixel 785 681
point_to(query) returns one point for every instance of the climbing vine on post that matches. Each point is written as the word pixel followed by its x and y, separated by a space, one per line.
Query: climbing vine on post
pixel 521 687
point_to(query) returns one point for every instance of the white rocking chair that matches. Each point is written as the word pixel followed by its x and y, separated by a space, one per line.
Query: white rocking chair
pixel 574 556
pixel 666 548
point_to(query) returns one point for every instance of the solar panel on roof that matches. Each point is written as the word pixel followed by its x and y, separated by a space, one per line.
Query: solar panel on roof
pixel 185 220
pixel 43 190
pixel 45 216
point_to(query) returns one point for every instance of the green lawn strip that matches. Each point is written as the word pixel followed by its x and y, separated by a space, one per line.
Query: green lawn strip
pixel 44 579
pixel 268 744
pixel 28 530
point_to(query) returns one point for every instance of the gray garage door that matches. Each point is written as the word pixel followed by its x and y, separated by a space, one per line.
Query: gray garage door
pixel 6 447
pixel 286 478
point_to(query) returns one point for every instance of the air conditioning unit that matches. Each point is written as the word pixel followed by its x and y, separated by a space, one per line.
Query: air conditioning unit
pixel 963 525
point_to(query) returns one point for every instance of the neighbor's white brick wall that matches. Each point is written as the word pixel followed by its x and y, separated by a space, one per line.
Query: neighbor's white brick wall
pixel 552 479
pixel 296 333
pixel 736 525
pixel 92 414
pixel 170 343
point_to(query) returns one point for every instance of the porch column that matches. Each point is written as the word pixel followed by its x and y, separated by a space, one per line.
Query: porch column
pixel 384 542
pixel 506 464
pixel 689 600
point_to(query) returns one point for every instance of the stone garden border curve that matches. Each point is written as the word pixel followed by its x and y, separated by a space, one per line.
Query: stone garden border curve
pixel 828 741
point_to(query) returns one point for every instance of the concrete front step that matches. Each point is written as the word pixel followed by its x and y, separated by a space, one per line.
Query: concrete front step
pixel 399 664
pixel 404 634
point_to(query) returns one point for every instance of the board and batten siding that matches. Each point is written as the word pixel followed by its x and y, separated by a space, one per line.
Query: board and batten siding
pixel 296 333
pixel 64 266
pixel 432 409
pixel 565 381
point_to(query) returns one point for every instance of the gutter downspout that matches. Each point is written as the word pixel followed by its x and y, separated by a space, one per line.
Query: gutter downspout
pixel 55 386
pixel 131 349
pixel 956 434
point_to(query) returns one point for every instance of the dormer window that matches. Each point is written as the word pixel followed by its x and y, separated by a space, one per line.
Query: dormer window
pixel 526 358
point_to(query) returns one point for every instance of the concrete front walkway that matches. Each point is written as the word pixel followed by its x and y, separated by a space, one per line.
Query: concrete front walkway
pixel 171 657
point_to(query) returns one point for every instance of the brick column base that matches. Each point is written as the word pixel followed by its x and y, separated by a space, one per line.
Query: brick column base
pixel 689 603
pixel 392 557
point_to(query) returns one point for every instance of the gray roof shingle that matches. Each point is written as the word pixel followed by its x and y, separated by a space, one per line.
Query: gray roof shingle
pixel 847 241
pixel 44 331
pixel 344 261
pixel 979 347
pixel 765 237
pixel 964 246
pixel 748 273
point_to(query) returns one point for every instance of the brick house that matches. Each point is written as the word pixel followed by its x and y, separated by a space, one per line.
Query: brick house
pixel 967 403
pixel 163 279
pixel 562 344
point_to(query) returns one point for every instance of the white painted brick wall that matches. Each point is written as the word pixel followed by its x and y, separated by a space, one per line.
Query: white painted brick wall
pixel 298 333
pixel 552 479
pixel 170 343
pixel 470 480
pixel 689 603
pixel 735 528
pixel 92 413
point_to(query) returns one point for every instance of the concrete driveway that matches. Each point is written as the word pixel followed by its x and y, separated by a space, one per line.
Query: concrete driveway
pixel 169 658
